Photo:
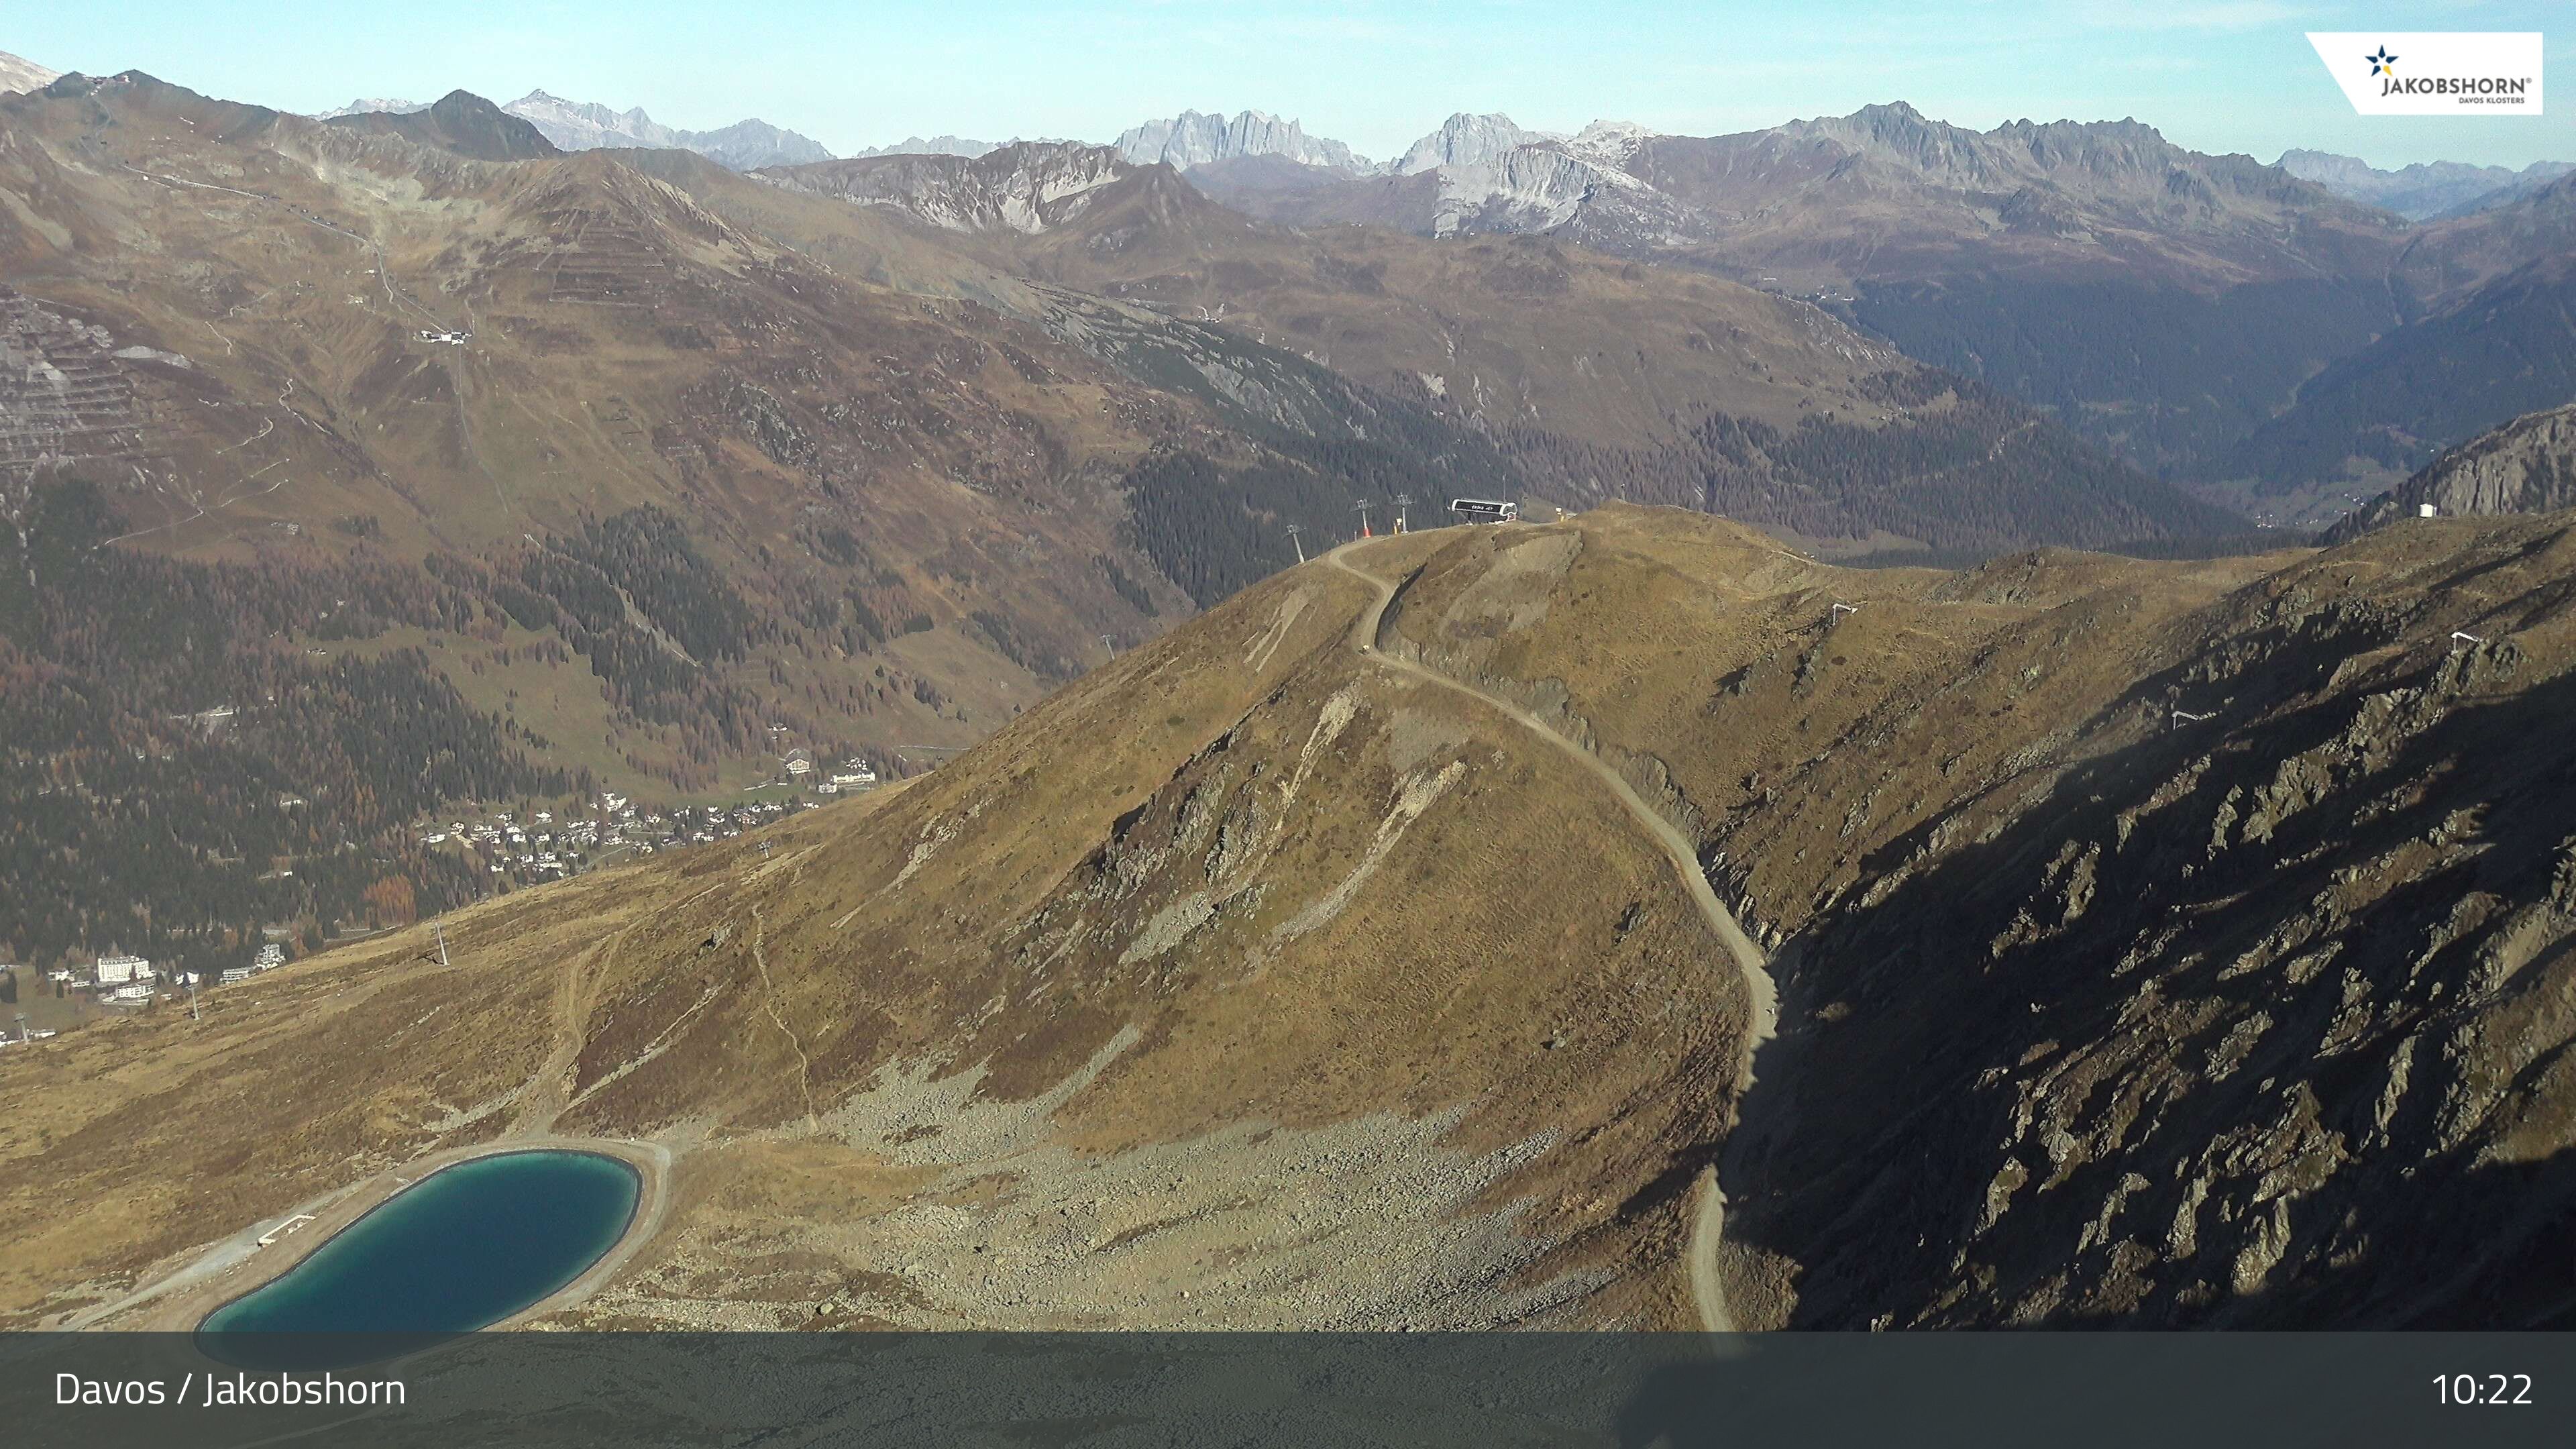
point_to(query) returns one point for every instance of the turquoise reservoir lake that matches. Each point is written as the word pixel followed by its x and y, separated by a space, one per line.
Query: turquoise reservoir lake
pixel 459 1250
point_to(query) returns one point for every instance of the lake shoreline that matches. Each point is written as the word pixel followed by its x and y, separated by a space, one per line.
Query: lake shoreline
pixel 220 1273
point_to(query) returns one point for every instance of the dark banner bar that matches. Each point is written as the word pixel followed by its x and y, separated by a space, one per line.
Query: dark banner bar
pixel 1026 1391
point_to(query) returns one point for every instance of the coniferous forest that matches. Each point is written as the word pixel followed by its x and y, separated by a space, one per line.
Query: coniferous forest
pixel 136 815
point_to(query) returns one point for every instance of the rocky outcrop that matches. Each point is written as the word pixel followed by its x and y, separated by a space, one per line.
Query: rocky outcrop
pixel 1465 140
pixel 2526 466
pixel 1027 188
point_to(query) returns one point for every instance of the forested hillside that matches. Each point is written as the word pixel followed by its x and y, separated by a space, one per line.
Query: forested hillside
pixel 189 752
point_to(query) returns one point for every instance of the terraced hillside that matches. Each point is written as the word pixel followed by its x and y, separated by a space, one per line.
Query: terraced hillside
pixel 2153 943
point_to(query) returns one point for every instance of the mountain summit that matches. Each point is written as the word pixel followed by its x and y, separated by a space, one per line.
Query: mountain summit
pixel 462 123
pixel 1194 138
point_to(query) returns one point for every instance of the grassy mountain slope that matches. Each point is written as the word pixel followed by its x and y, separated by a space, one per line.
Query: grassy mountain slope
pixel 634 482
pixel 1262 979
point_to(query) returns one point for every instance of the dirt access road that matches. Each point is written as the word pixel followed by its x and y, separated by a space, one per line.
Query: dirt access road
pixel 1709 1219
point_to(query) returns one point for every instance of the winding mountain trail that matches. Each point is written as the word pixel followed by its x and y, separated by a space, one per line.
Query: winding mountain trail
pixel 1709 1217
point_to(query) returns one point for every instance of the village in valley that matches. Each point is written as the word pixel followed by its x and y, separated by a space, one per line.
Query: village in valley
pixel 515 848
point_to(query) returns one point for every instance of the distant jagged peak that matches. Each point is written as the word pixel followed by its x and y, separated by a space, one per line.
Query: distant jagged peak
pixel 1896 131
pixel 1465 140
pixel 20 74
pixel 941 145
pixel 587 125
pixel 373 106
pixel 1201 138
pixel 2425 190
pixel 460 123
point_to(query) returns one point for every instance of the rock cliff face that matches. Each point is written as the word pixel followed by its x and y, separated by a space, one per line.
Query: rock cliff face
pixel 1193 138
pixel 1464 140
pixel 2526 466
pixel 1028 188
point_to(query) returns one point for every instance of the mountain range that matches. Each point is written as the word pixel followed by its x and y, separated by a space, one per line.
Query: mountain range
pixel 2425 190
pixel 2268 326
pixel 930 425
pixel 23 75
pixel 588 126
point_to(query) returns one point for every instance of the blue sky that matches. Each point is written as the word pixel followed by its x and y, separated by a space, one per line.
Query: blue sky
pixel 2216 75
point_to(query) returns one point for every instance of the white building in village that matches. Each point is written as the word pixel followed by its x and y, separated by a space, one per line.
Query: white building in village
pixel 123 970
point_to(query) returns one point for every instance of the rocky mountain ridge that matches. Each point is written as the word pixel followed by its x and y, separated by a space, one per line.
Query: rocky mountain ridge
pixel 582 126
pixel 929 146
pixel 2525 466
pixel 1195 139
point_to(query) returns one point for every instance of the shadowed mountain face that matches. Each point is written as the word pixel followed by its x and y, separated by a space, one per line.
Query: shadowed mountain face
pixel 463 124
pixel 2154 943
pixel 2526 466
pixel 743 146
pixel 2423 191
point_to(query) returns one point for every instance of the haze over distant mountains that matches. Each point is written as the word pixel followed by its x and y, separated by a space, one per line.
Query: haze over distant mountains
pixel 2424 190
pixel 1230 149
pixel 589 126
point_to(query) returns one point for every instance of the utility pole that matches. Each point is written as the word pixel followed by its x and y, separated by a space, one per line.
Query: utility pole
pixel 1294 530
pixel 21 1019
pixel 441 930
pixel 1403 505
pixel 1363 506
pixel 1110 643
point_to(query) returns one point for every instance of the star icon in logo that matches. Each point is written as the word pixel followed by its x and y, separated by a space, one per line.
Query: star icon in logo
pixel 2383 63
